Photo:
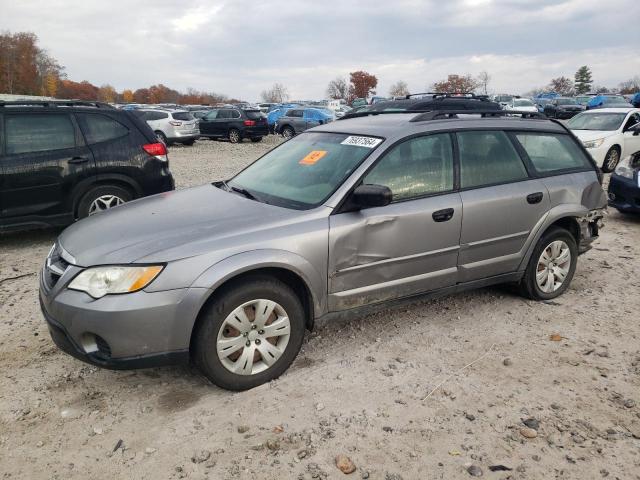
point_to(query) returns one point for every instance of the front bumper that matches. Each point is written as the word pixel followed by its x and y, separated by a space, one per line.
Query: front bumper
pixel 624 193
pixel 136 330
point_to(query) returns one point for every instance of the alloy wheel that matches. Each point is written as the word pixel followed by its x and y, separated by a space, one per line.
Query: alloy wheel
pixel 612 159
pixel 253 337
pixel 104 202
pixel 234 136
pixel 553 267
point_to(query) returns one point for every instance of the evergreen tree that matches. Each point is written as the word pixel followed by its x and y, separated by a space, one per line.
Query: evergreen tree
pixel 583 80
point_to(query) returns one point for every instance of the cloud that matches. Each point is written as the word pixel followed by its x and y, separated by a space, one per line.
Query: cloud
pixel 242 47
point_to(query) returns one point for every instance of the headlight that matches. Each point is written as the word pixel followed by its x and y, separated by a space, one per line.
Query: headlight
pixel 101 281
pixel 624 168
pixel 593 143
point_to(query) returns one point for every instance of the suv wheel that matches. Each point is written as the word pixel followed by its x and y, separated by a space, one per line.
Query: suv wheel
pixel 551 266
pixel 288 132
pixel 250 333
pixel 611 160
pixel 162 137
pixel 102 198
pixel 234 136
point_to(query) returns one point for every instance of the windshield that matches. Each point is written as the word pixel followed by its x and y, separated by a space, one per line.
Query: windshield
pixel 522 103
pixel 186 116
pixel 597 121
pixel 254 114
pixel 504 98
pixel 303 172
pixel 565 101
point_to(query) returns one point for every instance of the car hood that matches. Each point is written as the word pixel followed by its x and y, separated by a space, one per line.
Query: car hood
pixel 152 227
pixel 586 135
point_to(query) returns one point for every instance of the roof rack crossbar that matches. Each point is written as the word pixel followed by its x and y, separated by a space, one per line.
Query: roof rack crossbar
pixel 55 103
pixel 444 114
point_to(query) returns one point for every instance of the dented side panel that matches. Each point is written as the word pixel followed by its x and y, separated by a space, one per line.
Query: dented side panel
pixel 394 251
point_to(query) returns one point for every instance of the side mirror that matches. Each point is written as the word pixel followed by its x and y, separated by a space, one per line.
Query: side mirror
pixel 368 196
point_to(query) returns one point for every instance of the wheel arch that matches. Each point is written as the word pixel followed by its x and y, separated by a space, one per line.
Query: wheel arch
pixel 115 179
pixel 565 216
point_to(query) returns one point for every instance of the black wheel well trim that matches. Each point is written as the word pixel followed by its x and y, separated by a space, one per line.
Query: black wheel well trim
pixel 99 180
pixel 286 276
pixel 568 223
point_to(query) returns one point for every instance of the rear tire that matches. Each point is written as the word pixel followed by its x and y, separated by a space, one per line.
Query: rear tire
pixel 234 136
pixel 101 198
pixel 256 139
pixel 611 160
pixel 551 266
pixel 232 315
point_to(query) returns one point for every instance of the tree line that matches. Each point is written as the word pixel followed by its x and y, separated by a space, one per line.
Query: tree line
pixel 28 69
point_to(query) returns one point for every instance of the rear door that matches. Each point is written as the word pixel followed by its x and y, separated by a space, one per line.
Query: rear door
pixel 44 158
pixel 501 204
pixel 407 247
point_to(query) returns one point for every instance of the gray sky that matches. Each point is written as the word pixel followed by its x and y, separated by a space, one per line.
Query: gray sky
pixel 239 47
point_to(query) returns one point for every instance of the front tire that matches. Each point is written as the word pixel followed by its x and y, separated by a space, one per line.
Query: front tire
pixel 102 198
pixel 288 132
pixel 611 160
pixel 250 333
pixel 551 266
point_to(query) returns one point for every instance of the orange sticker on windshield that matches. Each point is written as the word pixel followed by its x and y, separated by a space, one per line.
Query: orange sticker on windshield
pixel 313 157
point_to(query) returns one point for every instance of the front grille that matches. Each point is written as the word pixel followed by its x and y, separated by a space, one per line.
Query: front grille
pixel 55 267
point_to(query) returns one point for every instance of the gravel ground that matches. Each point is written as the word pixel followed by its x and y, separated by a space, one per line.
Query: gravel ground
pixel 389 391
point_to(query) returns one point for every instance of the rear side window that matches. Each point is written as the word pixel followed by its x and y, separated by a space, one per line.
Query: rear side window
pixel 38 133
pixel 488 158
pixel 155 115
pixel 222 114
pixel 100 128
pixel 420 166
pixel 549 152
pixel 185 116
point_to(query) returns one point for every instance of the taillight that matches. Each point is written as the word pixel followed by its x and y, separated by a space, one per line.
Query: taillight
pixel 175 124
pixel 249 123
pixel 158 150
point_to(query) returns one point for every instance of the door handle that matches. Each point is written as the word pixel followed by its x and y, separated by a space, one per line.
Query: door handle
pixel 534 198
pixel 76 160
pixel 443 215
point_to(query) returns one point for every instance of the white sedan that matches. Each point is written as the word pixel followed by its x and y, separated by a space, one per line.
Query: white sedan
pixel 609 134
pixel 522 105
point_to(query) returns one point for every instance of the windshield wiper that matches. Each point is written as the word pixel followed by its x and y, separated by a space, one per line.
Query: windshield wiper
pixel 245 192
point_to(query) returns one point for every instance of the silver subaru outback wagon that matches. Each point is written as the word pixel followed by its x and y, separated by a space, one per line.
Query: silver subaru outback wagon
pixel 349 216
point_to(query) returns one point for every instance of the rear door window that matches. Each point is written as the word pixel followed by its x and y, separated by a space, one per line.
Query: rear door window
pixel 100 128
pixel 38 133
pixel 551 152
pixel 223 114
pixel 488 158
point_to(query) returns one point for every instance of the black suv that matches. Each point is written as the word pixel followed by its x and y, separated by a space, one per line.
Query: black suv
pixel 423 102
pixel 234 124
pixel 62 161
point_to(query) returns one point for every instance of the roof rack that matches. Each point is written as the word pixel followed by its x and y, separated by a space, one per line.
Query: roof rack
pixel 444 114
pixel 430 114
pixel 449 94
pixel 55 103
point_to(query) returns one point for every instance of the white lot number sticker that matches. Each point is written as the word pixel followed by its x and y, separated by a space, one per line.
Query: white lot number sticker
pixel 366 142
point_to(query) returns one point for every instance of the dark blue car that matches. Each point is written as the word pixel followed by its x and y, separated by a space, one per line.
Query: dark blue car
pixel 624 185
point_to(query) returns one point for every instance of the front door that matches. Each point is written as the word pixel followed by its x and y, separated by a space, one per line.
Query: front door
pixel 501 204
pixel 45 157
pixel 407 247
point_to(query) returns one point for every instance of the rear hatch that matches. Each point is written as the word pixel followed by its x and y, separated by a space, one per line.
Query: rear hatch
pixel 255 120
pixel 185 122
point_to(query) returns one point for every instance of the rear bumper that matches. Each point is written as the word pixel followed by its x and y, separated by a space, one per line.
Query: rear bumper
pixel 624 193
pixel 255 132
pixel 184 136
